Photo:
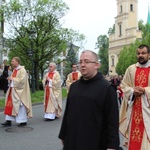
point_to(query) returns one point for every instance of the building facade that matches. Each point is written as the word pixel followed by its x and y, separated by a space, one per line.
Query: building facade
pixel 126 31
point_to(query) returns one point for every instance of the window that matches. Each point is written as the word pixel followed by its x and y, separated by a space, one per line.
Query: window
pixel 112 61
pixel 120 30
pixel 120 8
pixel 131 7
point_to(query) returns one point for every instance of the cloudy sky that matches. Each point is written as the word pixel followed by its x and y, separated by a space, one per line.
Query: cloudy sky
pixel 94 17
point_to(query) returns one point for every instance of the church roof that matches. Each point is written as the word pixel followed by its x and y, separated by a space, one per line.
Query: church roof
pixel 148 17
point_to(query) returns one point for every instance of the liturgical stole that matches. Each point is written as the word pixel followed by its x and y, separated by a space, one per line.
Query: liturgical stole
pixel 9 104
pixel 137 124
pixel 74 76
pixel 47 94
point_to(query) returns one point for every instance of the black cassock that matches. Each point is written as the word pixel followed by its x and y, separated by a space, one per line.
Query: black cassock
pixel 91 119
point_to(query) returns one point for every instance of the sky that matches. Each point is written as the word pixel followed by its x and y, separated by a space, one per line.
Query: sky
pixel 94 17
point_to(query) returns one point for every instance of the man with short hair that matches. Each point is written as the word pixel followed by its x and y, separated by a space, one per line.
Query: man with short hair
pixel 73 76
pixel 91 119
pixel 52 93
pixel 135 108
pixel 18 100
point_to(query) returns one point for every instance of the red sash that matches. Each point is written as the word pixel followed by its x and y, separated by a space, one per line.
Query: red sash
pixel 9 104
pixel 74 76
pixel 47 90
pixel 14 73
pixel 137 124
pixel 50 75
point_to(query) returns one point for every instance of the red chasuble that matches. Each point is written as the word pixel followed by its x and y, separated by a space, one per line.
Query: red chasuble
pixel 137 124
pixel 74 76
pixel 9 104
pixel 47 94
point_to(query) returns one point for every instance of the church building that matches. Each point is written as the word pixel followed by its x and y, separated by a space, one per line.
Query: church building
pixel 126 31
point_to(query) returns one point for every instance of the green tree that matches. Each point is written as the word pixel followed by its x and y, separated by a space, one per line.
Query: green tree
pixel 145 31
pixel 127 57
pixel 111 30
pixel 103 44
pixel 141 24
pixel 41 17
pixel 71 58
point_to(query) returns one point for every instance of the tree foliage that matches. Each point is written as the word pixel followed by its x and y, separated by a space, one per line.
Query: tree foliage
pixel 111 30
pixel 127 57
pixel 72 58
pixel 103 44
pixel 35 32
pixel 141 24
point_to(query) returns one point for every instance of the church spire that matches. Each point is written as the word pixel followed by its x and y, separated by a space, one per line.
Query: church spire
pixel 148 16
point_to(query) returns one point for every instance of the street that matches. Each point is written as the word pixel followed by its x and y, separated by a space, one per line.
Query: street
pixel 37 135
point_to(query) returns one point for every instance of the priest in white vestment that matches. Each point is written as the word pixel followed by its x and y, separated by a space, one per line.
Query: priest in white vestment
pixel 52 94
pixel 73 76
pixel 18 100
pixel 135 108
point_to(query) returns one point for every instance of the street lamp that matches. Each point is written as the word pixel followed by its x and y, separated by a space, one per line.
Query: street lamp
pixel 31 55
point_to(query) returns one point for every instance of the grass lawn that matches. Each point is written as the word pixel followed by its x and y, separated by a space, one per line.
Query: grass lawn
pixel 36 97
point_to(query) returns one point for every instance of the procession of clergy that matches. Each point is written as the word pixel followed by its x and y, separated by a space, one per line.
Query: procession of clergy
pixel 18 101
pixel 134 123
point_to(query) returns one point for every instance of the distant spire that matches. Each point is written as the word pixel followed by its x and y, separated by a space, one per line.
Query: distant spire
pixel 148 17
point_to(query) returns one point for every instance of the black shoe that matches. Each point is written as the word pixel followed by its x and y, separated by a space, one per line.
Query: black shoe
pixel 49 119
pixel 6 123
pixel 22 124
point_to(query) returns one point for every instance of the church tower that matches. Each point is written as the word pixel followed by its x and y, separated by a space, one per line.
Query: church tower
pixel 148 16
pixel 126 30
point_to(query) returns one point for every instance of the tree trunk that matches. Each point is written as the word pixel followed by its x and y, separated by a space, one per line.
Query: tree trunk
pixel 36 76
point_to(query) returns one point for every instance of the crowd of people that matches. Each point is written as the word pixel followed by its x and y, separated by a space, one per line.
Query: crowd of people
pixel 92 118
pixel 115 81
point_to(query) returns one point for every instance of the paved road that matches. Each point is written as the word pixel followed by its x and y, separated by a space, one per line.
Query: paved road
pixel 37 135
pixel 44 135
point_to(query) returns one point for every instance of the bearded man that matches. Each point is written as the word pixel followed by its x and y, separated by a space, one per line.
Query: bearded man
pixel 135 108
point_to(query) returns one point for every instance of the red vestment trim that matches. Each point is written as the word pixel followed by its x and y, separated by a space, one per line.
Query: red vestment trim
pixel 9 104
pixel 47 90
pixel 74 76
pixel 14 73
pixel 50 75
pixel 47 96
pixel 137 124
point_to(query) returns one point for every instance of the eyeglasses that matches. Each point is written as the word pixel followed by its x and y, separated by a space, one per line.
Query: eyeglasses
pixel 85 62
pixel 142 53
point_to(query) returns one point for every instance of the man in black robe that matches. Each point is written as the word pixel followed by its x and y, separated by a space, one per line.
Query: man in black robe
pixel 91 118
